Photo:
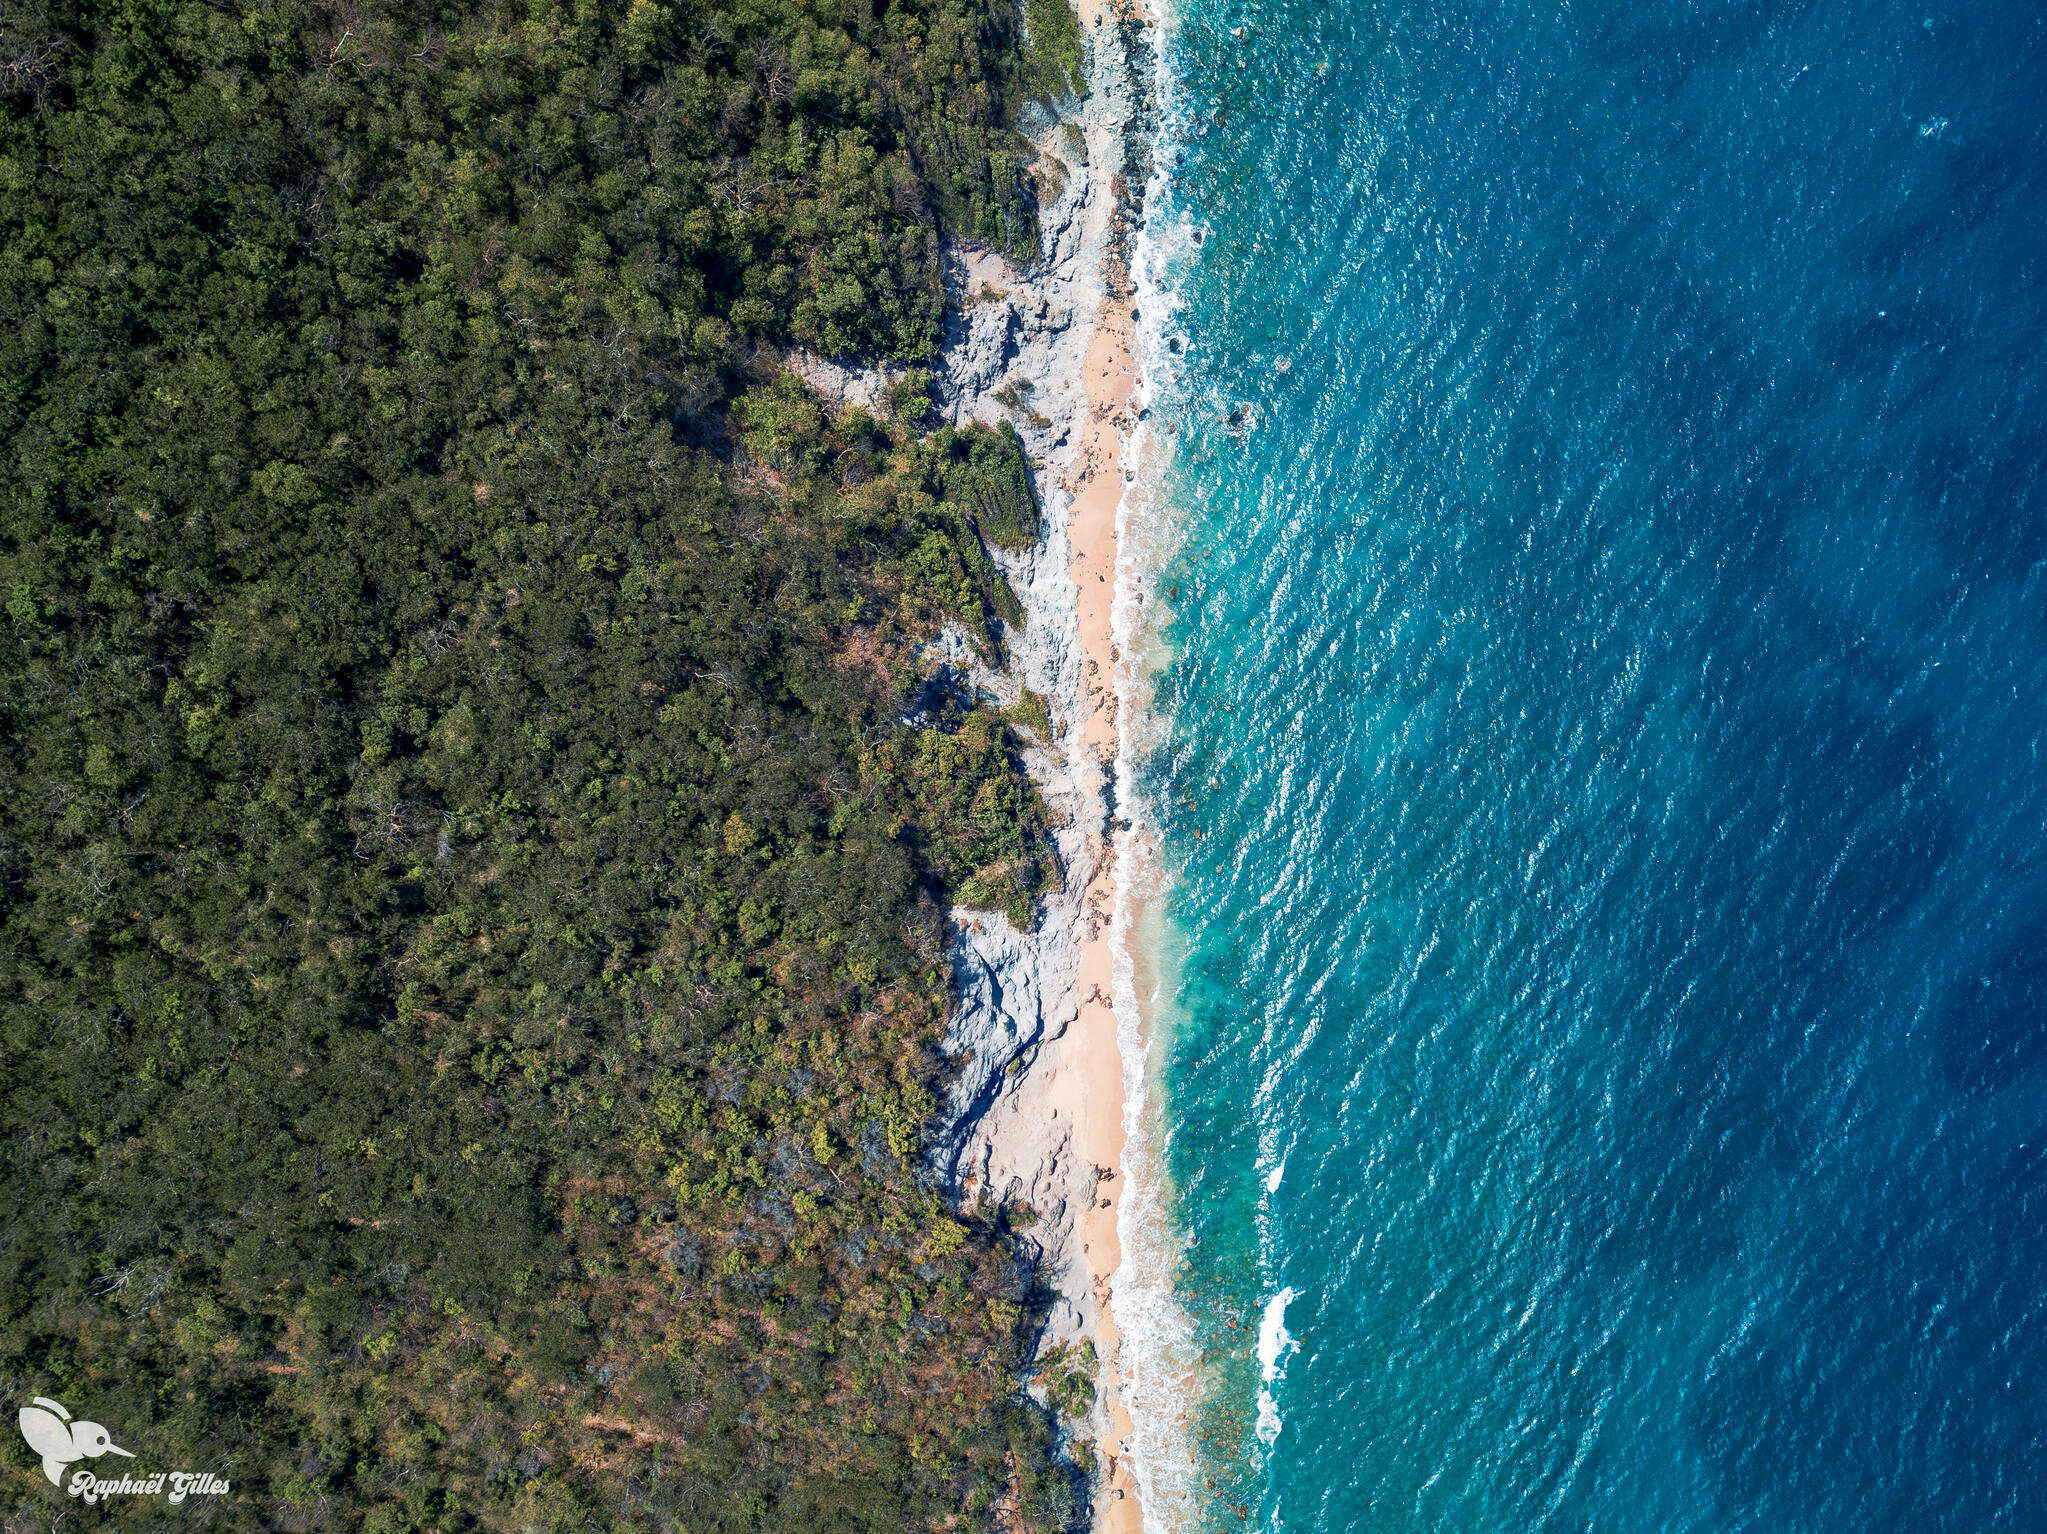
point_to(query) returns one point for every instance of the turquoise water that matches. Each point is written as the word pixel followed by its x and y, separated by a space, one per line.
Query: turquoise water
pixel 1601 794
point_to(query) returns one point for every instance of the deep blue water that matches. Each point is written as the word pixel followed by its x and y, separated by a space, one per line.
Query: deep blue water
pixel 1603 798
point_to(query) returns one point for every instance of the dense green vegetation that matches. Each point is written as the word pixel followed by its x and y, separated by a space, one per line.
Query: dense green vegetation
pixel 474 825
pixel 1055 52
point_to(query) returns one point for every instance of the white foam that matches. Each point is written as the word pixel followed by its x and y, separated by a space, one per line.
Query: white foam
pixel 1275 1342
pixel 1159 1354
pixel 1269 1422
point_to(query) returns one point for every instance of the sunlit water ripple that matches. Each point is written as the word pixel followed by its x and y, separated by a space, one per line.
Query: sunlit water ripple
pixel 1600 784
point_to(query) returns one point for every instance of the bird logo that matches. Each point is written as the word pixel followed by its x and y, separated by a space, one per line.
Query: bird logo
pixel 52 1434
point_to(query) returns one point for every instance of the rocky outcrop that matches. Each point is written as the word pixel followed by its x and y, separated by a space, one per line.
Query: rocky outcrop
pixel 1015 350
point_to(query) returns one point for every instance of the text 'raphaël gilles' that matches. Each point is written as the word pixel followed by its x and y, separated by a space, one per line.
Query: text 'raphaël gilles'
pixel 179 1484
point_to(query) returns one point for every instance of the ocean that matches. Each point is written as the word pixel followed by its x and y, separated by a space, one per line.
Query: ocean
pixel 1597 963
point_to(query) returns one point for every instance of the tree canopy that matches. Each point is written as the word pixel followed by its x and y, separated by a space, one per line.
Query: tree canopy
pixel 475 821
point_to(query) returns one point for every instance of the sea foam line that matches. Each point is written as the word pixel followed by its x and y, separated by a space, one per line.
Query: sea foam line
pixel 1274 1343
pixel 1158 1353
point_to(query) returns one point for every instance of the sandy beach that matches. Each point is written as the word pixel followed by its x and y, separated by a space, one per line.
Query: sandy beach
pixel 1094 1086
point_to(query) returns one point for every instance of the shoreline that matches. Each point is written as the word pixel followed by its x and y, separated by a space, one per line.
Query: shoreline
pixel 1040 1112
pixel 1045 1028
pixel 1095 531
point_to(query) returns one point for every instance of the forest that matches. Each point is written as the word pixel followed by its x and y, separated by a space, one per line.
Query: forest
pixel 475 826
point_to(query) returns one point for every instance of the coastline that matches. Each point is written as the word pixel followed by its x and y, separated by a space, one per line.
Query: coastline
pixel 1041 1105
pixel 1045 1031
